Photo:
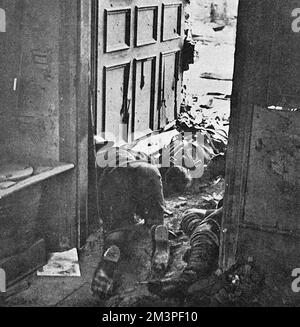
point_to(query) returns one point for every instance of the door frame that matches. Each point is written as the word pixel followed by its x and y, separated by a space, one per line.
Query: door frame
pixel 83 103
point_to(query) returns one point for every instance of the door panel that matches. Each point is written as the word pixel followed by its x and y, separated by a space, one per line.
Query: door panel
pixel 147 36
pixel 146 25
pixel 117 29
pixel 144 93
pixel 169 84
pixel 171 21
pixel 116 80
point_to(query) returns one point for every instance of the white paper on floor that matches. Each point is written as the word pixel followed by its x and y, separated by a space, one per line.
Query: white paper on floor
pixel 62 264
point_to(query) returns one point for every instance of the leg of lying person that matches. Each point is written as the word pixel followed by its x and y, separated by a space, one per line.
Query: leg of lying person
pixel 204 241
pixel 125 191
pixel 149 196
pixel 117 209
pixel 203 230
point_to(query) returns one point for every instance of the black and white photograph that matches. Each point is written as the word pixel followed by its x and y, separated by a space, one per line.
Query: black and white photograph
pixel 149 156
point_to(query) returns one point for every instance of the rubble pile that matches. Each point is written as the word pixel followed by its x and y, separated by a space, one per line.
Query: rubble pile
pixel 243 286
pixel 240 286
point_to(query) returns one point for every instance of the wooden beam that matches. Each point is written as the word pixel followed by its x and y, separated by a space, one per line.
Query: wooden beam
pixel 74 81
pixel 83 104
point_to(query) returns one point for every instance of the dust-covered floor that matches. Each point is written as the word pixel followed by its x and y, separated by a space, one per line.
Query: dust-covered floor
pixel 133 271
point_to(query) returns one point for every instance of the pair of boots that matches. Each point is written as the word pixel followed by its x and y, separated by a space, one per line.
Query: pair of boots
pixel 103 281
pixel 203 229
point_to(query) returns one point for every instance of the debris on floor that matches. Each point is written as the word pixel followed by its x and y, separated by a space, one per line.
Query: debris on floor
pixel 61 264
pixel 237 287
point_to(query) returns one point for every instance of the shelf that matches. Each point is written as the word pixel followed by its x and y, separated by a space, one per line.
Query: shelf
pixel 41 173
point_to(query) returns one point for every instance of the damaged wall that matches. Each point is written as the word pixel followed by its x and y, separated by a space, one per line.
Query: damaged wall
pixel 34 64
pixel 273 174
pixel 44 60
pixel 261 217
pixel 30 98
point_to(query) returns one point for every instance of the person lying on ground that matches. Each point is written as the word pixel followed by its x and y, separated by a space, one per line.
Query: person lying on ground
pixel 125 193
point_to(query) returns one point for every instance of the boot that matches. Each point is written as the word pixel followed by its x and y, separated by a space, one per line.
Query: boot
pixel 102 284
